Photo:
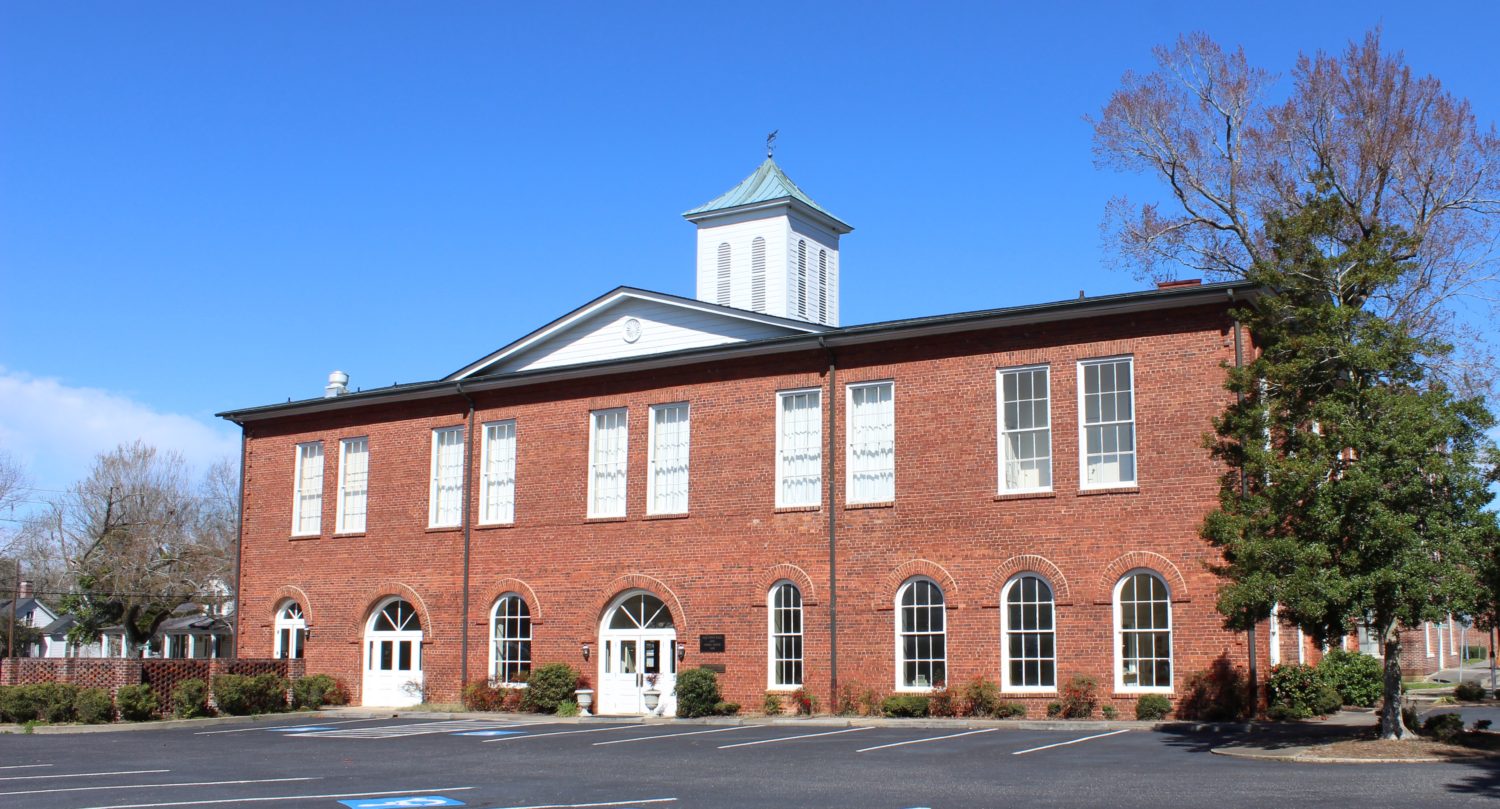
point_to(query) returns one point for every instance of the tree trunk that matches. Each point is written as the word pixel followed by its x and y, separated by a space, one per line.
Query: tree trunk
pixel 1391 726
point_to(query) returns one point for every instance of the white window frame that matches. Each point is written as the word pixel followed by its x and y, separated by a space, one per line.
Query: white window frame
pixel 341 524
pixel 772 660
pixel 495 638
pixel 296 629
pixel 849 443
pixel 436 480
pixel 687 434
pixel 1083 425
pixel 486 496
pixel 1119 635
pixel 900 634
pixel 1001 432
pixel 781 471
pixel 297 493
pixel 1005 629
pixel 593 506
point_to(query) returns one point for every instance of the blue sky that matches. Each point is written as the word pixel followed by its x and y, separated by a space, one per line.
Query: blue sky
pixel 207 206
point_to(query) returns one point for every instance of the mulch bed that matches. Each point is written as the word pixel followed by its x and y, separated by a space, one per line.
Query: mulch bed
pixel 1471 745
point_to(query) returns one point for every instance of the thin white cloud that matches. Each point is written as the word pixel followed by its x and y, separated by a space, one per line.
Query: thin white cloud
pixel 54 431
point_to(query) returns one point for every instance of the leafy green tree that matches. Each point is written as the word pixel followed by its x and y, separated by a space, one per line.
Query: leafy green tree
pixel 1355 492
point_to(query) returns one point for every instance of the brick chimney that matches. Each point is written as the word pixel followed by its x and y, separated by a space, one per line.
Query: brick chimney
pixel 23 589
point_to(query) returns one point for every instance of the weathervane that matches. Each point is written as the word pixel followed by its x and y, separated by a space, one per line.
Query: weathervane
pixel 771 142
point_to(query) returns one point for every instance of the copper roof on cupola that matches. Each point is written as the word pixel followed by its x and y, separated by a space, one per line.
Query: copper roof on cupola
pixel 767 185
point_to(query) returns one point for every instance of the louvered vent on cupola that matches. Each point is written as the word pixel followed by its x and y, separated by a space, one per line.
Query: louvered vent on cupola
pixel 723 274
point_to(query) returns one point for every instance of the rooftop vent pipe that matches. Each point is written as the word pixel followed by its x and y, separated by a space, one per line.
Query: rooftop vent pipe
pixel 338 385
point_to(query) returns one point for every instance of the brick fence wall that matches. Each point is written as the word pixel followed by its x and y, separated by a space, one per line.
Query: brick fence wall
pixel 161 675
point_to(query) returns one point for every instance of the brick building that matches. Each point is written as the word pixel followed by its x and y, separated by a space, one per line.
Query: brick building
pixel 654 482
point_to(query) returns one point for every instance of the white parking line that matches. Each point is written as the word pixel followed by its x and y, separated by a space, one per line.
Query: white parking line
pixel 284 727
pixel 156 786
pixel 922 741
pixel 24 766
pixel 414 729
pixel 78 775
pixel 281 798
pixel 525 735
pixel 790 738
pixel 670 735
pixel 1072 741
pixel 586 805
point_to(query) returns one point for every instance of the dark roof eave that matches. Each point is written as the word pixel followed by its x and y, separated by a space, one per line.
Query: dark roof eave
pixel 1123 303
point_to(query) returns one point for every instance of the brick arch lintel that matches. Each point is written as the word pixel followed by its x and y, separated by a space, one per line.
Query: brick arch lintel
pixel 788 572
pixel 885 600
pixel 509 585
pixel 387 589
pixel 1062 593
pixel 1110 575
pixel 291 592
pixel 639 581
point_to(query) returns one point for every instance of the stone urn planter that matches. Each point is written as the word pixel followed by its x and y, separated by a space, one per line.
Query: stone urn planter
pixel 653 699
pixel 585 698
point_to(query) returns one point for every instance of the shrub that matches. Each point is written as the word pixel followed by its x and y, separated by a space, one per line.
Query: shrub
pixel 1054 710
pixel 92 706
pixel 1216 694
pixel 317 690
pixel 513 699
pixel 697 692
pixel 1079 697
pixel 726 708
pixel 482 695
pixel 137 703
pixel 20 703
pixel 1296 691
pixel 1468 691
pixel 771 706
pixel 567 708
pixel 904 705
pixel 54 701
pixel 1483 724
pixel 1357 677
pixel 1110 712
pixel 803 702
pixel 240 695
pixel 980 697
pixel 1010 710
pixel 549 685
pixel 856 699
pixel 941 702
pixel 1445 727
pixel 190 699
pixel 1151 707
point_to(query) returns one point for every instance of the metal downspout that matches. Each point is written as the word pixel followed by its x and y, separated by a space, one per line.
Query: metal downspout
pixel 463 636
pixel 833 559
pixel 239 539
pixel 1239 361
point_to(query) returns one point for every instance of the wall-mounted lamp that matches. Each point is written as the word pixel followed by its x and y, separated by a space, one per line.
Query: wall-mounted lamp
pixel 681 652
pixel 307 633
pixel 585 651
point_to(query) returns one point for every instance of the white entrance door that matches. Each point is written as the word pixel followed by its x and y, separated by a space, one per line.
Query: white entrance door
pixel 393 656
pixel 638 652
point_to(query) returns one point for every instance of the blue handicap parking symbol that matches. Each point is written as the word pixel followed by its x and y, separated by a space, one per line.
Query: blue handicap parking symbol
pixel 489 733
pixel 403 802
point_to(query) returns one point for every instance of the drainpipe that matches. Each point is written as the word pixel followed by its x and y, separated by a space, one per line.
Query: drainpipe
pixel 239 544
pixel 463 636
pixel 1239 361
pixel 833 558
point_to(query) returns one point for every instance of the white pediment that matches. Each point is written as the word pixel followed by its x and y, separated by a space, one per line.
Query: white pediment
pixel 632 323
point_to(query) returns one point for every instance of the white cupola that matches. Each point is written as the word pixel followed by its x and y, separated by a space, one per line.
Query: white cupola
pixel 767 247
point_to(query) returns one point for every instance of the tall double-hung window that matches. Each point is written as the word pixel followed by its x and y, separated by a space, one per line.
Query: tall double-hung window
pixel 1030 648
pixel 1143 633
pixel 498 482
pixel 447 492
pixel 799 448
pixel 786 636
pixel 608 445
pixel 1106 390
pixel 354 484
pixel 307 499
pixel 921 636
pixel 1025 398
pixel 667 482
pixel 872 443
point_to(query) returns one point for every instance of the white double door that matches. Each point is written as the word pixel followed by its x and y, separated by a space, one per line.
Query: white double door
pixel 633 662
pixel 393 657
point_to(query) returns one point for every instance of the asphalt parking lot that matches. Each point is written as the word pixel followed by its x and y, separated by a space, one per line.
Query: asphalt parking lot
pixel 504 764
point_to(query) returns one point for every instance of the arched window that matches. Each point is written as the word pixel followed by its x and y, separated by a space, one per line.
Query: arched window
pixel 723 274
pixel 510 639
pixel 1030 647
pixel 822 286
pixel 758 274
pixel 1143 633
pixel 291 632
pixel 921 636
pixel 786 635
pixel 802 278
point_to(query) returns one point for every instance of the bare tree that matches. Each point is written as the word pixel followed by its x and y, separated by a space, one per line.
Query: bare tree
pixel 1398 151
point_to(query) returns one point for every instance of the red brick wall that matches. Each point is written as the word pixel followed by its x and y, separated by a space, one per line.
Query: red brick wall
pixel 715 565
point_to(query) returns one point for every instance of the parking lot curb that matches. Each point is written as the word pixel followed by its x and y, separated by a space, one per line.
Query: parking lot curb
pixel 1301 757
pixel 167 724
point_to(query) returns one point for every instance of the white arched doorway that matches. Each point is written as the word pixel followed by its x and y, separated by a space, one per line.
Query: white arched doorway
pixel 637 651
pixel 393 655
pixel 291 632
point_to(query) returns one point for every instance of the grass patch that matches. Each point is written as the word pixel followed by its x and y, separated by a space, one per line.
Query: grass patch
pixel 1423 685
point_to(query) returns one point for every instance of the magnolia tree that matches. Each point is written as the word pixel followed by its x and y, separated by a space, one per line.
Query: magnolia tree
pixel 1355 490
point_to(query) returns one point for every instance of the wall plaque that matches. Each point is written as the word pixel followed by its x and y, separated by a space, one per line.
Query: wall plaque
pixel 710 643
pixel 717 668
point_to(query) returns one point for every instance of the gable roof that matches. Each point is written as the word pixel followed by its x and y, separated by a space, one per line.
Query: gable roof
pixel 766 184
pixel 620 296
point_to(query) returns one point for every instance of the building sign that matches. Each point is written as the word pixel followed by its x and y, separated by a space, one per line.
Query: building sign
pixel 711 643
